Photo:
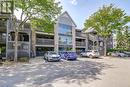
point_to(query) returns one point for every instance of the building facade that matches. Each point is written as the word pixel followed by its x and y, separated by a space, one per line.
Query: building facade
pixel 32 43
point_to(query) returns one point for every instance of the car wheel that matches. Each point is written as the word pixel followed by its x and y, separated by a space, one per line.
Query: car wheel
pixel 81 55
pixel 90 56
pixel 48 60
pixel 119 55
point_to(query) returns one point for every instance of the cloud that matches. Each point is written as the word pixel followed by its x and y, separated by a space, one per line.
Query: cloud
pixel 73 2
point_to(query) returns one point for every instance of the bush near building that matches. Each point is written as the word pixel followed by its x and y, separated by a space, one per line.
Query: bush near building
pixel 117 50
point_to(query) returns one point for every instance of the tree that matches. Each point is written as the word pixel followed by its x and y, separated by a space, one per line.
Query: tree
pixel 105 21
pixel 127 37
pixel 119 39
pixel 123 38
pixel 43 10
pixel 44 25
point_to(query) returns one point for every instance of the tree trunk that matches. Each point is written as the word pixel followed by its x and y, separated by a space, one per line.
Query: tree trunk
pixel 16 46
pixel 105 46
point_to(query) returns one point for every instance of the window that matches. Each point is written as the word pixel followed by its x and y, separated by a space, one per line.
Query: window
pixel 23 37
pixel 65 40
pixel 65 29
pixel 23 46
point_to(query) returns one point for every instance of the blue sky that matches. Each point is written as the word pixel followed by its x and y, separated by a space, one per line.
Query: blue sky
pixel 80 10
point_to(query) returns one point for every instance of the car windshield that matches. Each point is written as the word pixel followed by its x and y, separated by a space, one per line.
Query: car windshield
pixel 92 51
pixel 52 53
pixel 95 51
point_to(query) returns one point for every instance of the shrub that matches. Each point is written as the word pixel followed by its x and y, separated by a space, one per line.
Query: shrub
pixel 117 49
pixel 23 59
pixel 8 63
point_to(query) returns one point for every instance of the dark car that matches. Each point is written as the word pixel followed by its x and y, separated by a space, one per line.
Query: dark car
pixel 51 56
pixel 68 55
pixel 72 56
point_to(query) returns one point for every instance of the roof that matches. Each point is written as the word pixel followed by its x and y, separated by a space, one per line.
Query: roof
pixel 90 30
pixel 68 16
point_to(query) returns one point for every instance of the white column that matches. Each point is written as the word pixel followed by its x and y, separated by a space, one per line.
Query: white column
pixel 56 38
pixel 7 37
pixel 86 41
pixel 34 42
pixel 73 39
pixel 97 48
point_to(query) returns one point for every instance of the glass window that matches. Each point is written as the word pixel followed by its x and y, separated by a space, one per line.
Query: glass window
pixel 23 46
pixel 65 29
pixel 65 40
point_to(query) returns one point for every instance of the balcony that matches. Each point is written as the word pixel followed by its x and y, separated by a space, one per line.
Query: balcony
pixel 80 43
pixel 25 28
pixel 79 34
pixel 3 24
pixel 22 45
pixel 2 40
pixel 93 37
pixel 40 41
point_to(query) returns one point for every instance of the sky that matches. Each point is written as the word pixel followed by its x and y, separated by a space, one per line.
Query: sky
pixel 80 10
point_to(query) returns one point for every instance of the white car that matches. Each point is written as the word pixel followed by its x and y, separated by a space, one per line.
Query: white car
pixel 90 54
pixel 51 56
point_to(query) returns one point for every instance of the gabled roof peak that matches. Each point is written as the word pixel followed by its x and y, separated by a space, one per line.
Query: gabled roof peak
pixel 68 16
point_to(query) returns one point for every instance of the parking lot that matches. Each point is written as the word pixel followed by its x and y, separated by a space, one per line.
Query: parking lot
pixel 85 72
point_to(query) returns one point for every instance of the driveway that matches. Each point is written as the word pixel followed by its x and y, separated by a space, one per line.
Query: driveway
pixel 81 73
pixel 116 76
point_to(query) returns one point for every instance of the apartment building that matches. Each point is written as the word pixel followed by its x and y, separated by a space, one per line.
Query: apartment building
pixel 32 43
pixel 7 36
pixel 81 39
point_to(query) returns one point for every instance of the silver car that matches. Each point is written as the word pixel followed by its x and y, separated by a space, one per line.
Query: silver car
pixel 90 54
pixel 119 54
pixel 51 56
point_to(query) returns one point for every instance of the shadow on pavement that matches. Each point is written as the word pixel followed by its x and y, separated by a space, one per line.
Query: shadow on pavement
pixel 45 74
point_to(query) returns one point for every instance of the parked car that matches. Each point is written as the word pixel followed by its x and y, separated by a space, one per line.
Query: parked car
pixel 119 54
pixel 68 55
pixel 114 54
pixel 123 55
pixel 90 54
pixel 52 56
pixel 71 56
pixel 127 53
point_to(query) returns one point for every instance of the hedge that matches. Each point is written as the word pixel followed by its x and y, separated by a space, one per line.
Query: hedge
pixel 118 50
